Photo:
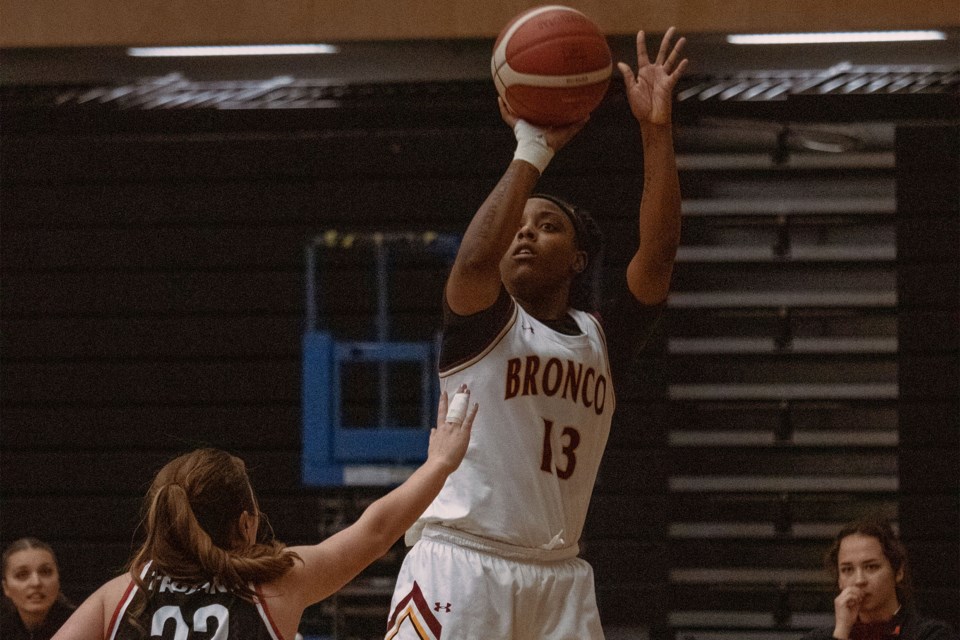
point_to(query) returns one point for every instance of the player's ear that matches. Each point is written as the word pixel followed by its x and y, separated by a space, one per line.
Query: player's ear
pixel 247 528
pixel 580 261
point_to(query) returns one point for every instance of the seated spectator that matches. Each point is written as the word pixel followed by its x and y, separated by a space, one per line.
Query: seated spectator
pixel 869 564
pixel 33 608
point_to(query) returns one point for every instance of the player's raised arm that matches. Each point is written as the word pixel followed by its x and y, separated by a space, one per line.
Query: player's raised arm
pixel 329 565
pixel 650 94
pixel 474 281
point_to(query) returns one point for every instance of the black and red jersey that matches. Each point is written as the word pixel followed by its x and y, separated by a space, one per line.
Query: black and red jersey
pixel 169 610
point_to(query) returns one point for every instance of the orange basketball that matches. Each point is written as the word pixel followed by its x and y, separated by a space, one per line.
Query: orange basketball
pixel 551 65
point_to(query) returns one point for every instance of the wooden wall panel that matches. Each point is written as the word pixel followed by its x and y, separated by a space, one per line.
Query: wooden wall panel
pixel 242 426
pixel 116 515
pixel 311 206
pixel 128 473
pixel 32 294
pixel 320 156
pixel 245 337
pixel 115 22
pixel 223 381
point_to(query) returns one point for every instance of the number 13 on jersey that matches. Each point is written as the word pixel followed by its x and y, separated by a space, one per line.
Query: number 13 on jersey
pixel 569 441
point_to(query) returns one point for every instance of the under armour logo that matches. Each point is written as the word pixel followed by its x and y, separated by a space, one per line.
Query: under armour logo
pixel 442 607
pixel 528 327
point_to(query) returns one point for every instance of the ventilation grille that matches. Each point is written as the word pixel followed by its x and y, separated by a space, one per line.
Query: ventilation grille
pixel 843 79
pixel 283 92
pixel 174 91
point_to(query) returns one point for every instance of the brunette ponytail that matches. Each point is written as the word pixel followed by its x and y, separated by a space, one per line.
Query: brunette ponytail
pixel 192 521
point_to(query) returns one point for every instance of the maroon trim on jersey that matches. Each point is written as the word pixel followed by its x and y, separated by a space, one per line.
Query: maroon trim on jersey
pixel 466 337
pixel 121 605
pixel 473 356
pixel 262 605
pixel 422 607
pixel 124 602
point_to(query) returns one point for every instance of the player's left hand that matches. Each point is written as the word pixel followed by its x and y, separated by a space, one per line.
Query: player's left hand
pixel 650 91
pixel 449 440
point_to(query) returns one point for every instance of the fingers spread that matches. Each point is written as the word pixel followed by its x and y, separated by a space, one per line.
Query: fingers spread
pixel 665 45
pixel 642 57
pixel 671 63
pixel 444 401
pixel 680 69
pixel 468 422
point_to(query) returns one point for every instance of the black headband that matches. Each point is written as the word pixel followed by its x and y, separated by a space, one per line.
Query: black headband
pixel 582 223
pixel 575 219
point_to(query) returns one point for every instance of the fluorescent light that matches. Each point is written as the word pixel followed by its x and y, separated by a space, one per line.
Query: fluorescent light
pixel 835 37
pixel 232 50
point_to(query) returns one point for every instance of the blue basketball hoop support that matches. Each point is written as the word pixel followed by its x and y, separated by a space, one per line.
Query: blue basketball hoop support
pixel 384 451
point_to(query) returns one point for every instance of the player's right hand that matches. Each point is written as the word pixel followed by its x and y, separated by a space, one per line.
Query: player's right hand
pixel 556 137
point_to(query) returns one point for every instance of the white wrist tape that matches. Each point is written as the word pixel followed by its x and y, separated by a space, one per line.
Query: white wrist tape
pixel 457 410
pixel 532 145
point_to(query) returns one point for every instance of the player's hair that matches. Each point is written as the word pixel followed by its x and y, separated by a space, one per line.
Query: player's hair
pixel 25 544
pixel 192 526
pixel 585 288
pixel 879 527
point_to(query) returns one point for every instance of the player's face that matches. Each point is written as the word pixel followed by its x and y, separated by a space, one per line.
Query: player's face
pixel 543 254
pixel 862 563
pixel 32 582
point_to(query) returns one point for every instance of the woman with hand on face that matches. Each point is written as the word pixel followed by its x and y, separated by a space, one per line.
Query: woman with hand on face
pixel 34 608
pixel 875 599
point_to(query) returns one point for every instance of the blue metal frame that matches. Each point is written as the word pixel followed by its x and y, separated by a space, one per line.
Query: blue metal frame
pixel 334 455
pixel 327 446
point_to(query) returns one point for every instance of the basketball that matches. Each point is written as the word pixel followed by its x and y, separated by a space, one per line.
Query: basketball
pixel 551 65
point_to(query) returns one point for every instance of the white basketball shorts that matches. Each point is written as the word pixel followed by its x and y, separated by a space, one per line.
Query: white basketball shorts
pixel 456 586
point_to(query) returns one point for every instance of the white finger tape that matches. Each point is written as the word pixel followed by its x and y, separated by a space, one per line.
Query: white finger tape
pixel 457 410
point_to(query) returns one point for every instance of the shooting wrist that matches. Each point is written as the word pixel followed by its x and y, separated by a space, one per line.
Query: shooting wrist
pixel 532 145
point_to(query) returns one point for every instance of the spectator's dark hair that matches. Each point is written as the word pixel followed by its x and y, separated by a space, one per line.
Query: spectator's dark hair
pixel 23 544
pixel 879 527
pixel 585 288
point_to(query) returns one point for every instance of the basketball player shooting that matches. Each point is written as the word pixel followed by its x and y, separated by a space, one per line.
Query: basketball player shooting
pixel 496 555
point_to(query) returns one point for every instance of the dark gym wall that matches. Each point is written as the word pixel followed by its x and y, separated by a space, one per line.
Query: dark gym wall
pixel 152 301
pixel 928 246
pixel 153 297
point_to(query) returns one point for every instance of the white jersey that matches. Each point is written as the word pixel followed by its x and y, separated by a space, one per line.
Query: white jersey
pixel 546 401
